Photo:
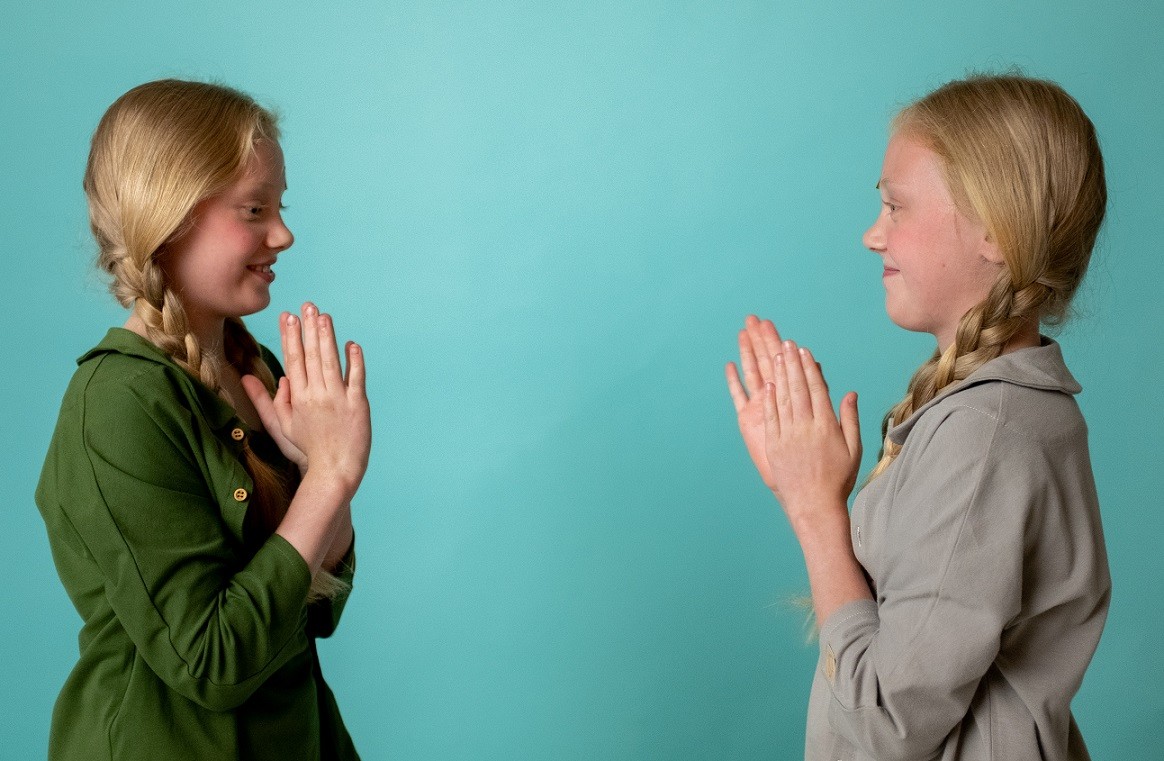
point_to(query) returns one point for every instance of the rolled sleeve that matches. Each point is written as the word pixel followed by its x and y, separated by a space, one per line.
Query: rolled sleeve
pixel 323 616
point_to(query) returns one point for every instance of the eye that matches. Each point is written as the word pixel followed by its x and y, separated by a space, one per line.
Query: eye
pixel 891 206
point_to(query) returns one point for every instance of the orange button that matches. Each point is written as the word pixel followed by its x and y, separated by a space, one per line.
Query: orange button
pixel 240 494
pixel 237 434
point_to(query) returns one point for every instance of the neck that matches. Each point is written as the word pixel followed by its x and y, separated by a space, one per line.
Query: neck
pixel 1026 337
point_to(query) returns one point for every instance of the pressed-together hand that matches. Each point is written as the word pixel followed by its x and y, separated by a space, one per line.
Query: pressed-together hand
pixel 319 417
pixel 803 453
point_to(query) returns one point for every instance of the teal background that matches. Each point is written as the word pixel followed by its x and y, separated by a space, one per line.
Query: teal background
pixel 545 222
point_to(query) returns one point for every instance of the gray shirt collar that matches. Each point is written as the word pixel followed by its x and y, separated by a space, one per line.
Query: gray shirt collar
pixel 1039 367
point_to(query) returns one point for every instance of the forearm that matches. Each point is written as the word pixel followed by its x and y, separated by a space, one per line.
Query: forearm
pixel 834 575
pixel 342 542
pixel 317 519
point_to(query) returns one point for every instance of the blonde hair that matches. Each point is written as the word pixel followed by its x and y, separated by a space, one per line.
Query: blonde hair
pixel 160 149
pixel 1021 156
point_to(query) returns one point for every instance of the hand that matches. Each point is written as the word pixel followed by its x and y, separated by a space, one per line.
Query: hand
pixel 759 344
pixel 265 406
pixel 320 416
pixel 786 418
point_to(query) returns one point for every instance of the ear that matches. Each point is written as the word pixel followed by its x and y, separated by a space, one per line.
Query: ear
pixel 989 250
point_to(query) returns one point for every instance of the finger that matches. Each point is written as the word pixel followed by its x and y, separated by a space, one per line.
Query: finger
pixel 329 359
pixel 780 385
pixel 771 413
pixel 818 389
pixel 770 336
pixel 355 377
pixel 261 398
pixel 735 388
pixel 292 340
pixel 759 349
pixel 851 424
pixel 265 406
pixel 753 380
pixel 797 384
pixel 311 361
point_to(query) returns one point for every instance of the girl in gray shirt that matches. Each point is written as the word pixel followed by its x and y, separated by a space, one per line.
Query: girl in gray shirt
pixel 962 600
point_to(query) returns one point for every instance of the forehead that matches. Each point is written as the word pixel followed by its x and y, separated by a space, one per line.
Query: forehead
pixel 264 169
pixel 911 164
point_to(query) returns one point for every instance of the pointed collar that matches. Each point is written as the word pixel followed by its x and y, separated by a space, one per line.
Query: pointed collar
pixel 1038 367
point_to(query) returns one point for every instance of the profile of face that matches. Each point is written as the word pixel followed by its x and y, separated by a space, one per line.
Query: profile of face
pixel 221 266
pixel 938 263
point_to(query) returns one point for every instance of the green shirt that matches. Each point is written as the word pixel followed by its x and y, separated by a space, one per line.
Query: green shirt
pixel 197 641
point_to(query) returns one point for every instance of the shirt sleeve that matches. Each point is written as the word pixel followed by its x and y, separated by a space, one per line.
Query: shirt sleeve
pixel 904 669
pixel 323 616
pixel 210 619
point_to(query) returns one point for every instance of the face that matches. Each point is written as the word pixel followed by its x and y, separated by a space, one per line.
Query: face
pixel 222 265
pixel 938 263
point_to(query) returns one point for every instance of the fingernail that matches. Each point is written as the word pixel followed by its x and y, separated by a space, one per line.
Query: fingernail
pixel 309 309
pixel 290 319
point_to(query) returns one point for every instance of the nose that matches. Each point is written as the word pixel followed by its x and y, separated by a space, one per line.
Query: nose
pixel 279 236
pixel 874 237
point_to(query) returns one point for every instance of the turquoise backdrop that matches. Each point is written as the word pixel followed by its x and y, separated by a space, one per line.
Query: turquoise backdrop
pixel 545 222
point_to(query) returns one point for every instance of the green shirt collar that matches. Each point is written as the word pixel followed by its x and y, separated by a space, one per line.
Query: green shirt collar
pixel 122 341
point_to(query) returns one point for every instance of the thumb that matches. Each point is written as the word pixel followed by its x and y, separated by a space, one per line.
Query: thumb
pixel 261 398
pixel 851 424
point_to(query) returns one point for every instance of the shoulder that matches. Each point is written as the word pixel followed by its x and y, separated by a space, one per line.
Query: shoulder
pixel 1027 394
pixel 126 393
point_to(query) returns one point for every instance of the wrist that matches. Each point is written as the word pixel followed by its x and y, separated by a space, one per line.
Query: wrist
pixel 818 519
pixel 328 486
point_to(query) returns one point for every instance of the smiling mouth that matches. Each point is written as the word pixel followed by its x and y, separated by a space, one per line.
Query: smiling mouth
pixel 263 270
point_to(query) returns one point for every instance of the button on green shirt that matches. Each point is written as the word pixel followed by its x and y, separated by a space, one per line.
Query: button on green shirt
pixel 197 641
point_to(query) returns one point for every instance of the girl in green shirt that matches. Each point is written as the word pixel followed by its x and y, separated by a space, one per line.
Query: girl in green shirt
pixel 197 499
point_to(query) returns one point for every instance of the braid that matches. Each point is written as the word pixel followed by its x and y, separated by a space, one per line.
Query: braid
pixel 164 317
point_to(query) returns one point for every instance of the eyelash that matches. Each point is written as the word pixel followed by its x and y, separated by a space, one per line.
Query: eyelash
pixel 256 211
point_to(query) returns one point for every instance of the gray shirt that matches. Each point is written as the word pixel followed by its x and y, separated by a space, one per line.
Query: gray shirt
pixel 984 550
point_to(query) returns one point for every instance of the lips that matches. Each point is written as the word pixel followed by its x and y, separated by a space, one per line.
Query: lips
pixel 263 270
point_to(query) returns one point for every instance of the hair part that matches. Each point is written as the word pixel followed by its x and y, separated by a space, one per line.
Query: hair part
pixel 159 150
pixel 1020 156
